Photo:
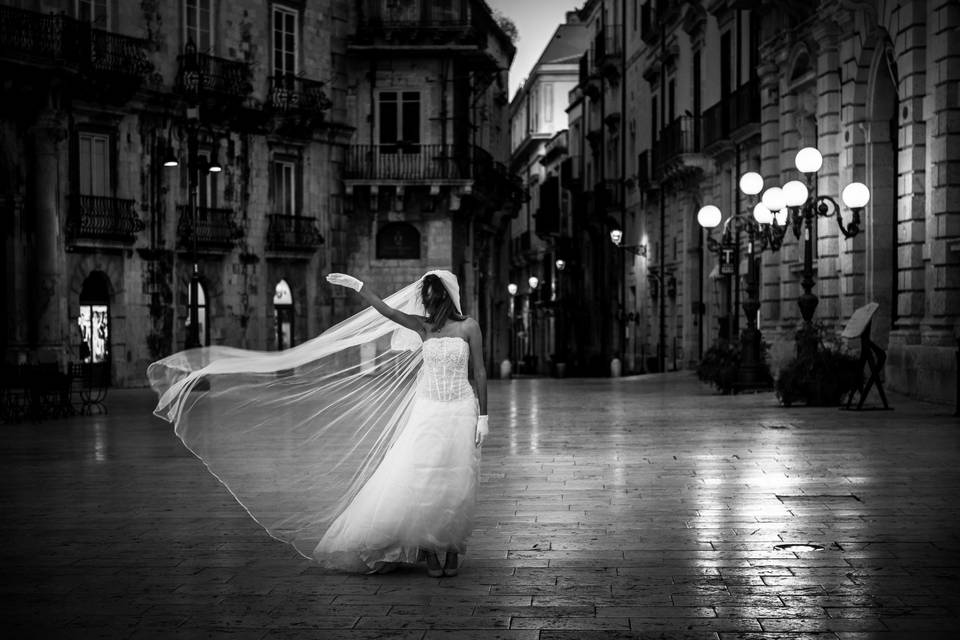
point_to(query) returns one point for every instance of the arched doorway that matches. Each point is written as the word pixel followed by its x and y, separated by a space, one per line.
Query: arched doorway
pixel 883 148
pixel 94 323
pixel 283 314
pixel 203 314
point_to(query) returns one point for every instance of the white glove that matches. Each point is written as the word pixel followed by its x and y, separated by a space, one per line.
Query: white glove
pixel 483 428
pixel 344 280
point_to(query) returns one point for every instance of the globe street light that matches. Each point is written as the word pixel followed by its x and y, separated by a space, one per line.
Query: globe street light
pixel 764 230
pixel 806 205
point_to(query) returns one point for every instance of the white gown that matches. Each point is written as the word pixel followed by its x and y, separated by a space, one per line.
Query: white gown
pixel 423 494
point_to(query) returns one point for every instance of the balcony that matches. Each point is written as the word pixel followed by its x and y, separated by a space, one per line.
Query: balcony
pixel 292 94
pixel 203 75
pixel 292 233
pixel 103 218
pixel 678 149
pixel 465 27
pixel 216 229
pixel 61 42
pixel 608 51
pixel 735 117
pixel 407 162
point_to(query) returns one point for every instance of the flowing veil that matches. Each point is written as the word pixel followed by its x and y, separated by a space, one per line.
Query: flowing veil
pixel 294 435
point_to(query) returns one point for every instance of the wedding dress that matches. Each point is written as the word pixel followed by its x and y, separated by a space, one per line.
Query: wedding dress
pixel 355 447
pixel 422 496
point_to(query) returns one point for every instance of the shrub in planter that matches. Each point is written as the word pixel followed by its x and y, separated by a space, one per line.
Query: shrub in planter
pixel 821 374
pixel 721 364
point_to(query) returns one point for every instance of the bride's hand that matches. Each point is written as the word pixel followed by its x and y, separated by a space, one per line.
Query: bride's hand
pixel 344 280
pixel 483 428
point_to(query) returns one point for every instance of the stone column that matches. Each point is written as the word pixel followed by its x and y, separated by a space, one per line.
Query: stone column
pixel 942 309
pixel 49 309
pixel 829 243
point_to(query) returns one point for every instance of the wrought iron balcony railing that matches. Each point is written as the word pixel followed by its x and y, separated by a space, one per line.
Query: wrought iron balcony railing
pixel 607 46
pixel 413 162
pixel 677 138
pixel 200 73
pixel 57 39
pixel 736 111
pixel 103 218
pixel 293 94
pixel 292 233
pixel 215 229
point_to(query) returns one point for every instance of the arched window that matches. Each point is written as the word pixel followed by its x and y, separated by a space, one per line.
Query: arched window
pixel 94 320
pixel 398 241
pixel 283 314
pixel 203 314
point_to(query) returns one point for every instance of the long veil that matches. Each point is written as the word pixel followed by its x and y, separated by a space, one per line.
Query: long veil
pixel 295 434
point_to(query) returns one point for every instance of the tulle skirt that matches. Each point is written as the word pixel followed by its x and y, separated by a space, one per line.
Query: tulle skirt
pixel 422 496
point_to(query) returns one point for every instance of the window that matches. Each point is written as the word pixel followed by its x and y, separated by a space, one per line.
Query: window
pixel 283 315
pixel 285 187
pixel 94 319
pixel 548 103
pixel 94 164
pixel 207 184
pixel 96 12
pixel 399 113
pixel 671 100
pixel 284 41
pixel 198 23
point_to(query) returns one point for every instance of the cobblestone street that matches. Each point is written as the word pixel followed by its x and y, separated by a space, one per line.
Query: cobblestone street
pixel 645 507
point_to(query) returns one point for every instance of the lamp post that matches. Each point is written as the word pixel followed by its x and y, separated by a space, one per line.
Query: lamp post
pixel 561 343
pixel 765 226
pixel 806 205
pixel 193 113
pixel 534 282
pixel 512 290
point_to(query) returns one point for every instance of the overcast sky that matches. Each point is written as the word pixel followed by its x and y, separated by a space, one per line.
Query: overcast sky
pixel 536 21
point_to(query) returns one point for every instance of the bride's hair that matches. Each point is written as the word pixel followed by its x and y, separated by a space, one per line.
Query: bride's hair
pixel 437 302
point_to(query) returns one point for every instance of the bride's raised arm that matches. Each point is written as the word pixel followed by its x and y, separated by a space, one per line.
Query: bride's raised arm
pixel 414 323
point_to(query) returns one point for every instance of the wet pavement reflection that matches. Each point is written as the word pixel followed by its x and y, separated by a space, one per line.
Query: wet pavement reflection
pixel 637 507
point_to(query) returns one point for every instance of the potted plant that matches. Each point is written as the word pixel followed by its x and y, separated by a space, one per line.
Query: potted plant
pixel 821 373
pixel 720 365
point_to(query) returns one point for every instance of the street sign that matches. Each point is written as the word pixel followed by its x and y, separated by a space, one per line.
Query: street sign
pixel 728 252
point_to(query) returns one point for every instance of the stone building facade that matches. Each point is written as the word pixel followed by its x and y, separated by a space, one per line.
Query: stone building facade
pixel 538 121
pixel 676 101
pixel 100 237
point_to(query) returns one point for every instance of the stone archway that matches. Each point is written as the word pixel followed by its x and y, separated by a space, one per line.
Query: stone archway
pixel 882 150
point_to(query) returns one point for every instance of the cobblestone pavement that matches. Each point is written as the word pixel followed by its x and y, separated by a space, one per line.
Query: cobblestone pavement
pixel 642 507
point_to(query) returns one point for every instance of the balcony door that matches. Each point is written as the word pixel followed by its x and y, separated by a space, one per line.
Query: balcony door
pixel 399 120
pixel 94 164
pixel 94 12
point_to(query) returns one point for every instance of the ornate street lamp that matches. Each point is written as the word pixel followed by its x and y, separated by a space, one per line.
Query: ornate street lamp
pixel 616 236
pixel 765 227
pixel 806 205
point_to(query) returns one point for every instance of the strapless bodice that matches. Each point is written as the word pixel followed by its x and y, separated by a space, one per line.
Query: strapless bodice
pixel 444 377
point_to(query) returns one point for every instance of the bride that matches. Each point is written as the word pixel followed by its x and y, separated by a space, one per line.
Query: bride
pixel 361 447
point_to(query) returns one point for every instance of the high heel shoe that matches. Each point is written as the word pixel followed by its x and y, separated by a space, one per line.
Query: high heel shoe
pixel 450 565
pixel 434 570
